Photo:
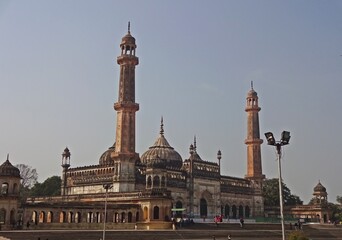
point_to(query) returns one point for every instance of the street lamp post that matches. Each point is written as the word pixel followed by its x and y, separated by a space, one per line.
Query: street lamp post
pixel 106 186
pixel 285 138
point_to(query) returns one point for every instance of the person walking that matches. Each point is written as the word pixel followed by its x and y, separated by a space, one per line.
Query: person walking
pixel 241 222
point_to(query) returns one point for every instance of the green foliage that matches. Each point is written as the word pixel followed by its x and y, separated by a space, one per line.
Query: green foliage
pixel 297 235
pixel 339 199
pixel 270 192
pixel 50 187
pixel 336 210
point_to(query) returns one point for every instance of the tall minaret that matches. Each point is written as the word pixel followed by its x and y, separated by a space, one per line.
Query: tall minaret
pixel 253 141
pixel 65 165
pixel 124 155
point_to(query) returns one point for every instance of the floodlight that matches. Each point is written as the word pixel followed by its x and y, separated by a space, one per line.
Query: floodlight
pixel 285 137
pixel 270 138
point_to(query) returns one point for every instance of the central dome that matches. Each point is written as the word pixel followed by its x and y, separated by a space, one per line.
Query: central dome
pixel 162 151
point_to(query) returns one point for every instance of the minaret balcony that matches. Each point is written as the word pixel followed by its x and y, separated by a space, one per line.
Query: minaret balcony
pixel 127 59
pixel 253 141
pixel 252 108
pixel 126 105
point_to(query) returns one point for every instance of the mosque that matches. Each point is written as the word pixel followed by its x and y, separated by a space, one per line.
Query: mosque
pixel 124 187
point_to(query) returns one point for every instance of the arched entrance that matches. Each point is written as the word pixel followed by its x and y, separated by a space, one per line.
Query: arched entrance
pixel 226 210
pixel 203 208
pixel 234 211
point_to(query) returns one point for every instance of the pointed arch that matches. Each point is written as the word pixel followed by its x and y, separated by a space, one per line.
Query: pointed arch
pixel 123 217
pixel 62 217
pixel 49 218
pixel 203 208
pixel 149 182
pixel 129 217
pixel 156 182
pixel 226 210
pixel 4 189
pixel 12 217
pixel 240 211
pixel 156 212
pixel 42 217
pixel 234 211
pixel 145 213
pixel 78 217
pixel 70 217
pixel 2 216
pixel 247 211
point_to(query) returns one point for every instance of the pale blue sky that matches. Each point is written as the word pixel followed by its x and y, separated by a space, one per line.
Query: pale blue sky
pixel 59 80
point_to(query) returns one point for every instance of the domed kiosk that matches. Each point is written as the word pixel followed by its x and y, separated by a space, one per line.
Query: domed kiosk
pixel 9 198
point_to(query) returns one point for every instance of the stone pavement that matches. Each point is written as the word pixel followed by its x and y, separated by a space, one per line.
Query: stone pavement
pixel 194 232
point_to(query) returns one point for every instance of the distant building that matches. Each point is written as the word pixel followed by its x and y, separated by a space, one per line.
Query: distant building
pixel 9 198
pixel 317 210
pixel 159 184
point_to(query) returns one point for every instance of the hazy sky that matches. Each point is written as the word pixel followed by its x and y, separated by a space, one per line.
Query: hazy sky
pixel 59 80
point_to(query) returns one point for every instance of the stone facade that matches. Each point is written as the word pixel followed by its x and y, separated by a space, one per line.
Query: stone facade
pixel 159 184
pixel 9 198
pixel 317 210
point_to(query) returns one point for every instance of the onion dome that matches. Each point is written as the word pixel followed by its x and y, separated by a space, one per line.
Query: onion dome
pixel 320 188
pixel 105 158
pixel 161 151
pixel 7 169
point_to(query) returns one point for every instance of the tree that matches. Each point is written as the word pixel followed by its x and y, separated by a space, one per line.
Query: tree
pixel 270 192
pixel 50 187
pixel 28 175
pixel 339 199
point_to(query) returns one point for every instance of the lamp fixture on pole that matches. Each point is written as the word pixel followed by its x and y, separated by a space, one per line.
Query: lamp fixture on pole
pixel 285 138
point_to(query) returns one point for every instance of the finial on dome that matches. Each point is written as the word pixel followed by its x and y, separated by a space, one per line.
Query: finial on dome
pixel 195 143
pixel 162 126
pixel 191 149
pixel 252 85
pixel 7 156
pixel 129 27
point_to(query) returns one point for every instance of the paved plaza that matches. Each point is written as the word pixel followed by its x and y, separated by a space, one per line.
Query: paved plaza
pixel 198 232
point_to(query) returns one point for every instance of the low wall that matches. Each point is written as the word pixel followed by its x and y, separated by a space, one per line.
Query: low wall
pixel 99 226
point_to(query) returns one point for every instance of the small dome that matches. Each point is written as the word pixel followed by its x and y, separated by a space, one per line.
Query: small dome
pixel 105 158
pixel 161 151
pixel 7 169
pixel 252 93
pixel 128 39
pixel 66 153
pixel 319 188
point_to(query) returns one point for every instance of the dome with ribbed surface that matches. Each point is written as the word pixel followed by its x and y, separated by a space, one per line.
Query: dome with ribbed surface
pixel 105 158
pixel 161 151
pixel 7 169
pixel 319 188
